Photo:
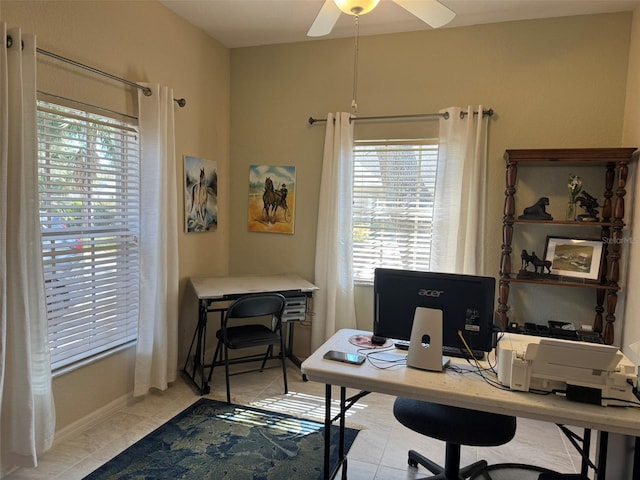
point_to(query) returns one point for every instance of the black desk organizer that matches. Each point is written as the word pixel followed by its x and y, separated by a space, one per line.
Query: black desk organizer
pixel 555 330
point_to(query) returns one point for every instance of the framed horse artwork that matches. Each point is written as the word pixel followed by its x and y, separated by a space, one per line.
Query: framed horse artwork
pixel 272 198
pixel 200 195
pixel 578 258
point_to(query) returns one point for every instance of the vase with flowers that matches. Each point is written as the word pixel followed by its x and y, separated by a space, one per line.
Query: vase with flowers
pixel 574 187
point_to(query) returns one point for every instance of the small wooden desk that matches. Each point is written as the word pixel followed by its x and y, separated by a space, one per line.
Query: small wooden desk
pixel 214 293
pixel 450 388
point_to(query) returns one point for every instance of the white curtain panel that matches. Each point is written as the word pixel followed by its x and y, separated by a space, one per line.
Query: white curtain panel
pixel 27 413
pixel 461 196
pixel 157 346
pixel 333 302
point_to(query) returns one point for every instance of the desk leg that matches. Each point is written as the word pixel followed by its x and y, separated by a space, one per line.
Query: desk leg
pixel 199 338
pixel 622 454
pixel 329 473
pixel 345 405
pixel 289 347
pixel 636 458
pixel 327 432
pixel 586 448
pixel 603 443
pixel 342 459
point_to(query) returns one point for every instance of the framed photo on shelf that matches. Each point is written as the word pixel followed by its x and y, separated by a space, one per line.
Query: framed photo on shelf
pixel 579 258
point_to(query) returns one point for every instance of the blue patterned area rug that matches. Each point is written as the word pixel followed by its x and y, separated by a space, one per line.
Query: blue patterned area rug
pixel 214 440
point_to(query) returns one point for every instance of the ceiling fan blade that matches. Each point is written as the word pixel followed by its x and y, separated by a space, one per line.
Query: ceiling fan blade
pixel 326 19
pixel 430 12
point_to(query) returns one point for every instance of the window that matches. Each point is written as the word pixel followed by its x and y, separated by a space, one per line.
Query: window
pixel 88 167
pixel 393 194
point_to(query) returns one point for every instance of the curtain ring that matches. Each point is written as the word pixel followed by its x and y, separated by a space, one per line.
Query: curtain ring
pixel 446 115
pixel 10 42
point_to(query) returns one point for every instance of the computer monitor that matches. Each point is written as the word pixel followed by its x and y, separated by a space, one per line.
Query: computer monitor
pixel 466 301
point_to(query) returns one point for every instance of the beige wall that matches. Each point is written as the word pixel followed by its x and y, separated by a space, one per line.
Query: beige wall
pixel 631 136
pixel 140 41
pixel 553 83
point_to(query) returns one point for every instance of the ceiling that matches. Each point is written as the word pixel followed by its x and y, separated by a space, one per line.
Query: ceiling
pixel 244 23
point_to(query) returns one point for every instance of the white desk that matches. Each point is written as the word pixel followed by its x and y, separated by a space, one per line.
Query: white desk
pixel 214 292
pixel 231 287
pixel 467 391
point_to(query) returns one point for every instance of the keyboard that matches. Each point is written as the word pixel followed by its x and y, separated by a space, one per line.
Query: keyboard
pixel 446 351
pixel 555 332
pixel 462 353
pixel 591 337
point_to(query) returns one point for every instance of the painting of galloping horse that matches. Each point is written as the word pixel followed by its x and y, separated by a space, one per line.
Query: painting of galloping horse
pixel 200 195
pixel 271 198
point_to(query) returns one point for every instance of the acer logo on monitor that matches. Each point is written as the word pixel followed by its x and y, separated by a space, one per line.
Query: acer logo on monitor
pixel 430 293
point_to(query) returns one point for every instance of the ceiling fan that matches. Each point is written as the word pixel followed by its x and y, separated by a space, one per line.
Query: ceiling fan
pixel 432 12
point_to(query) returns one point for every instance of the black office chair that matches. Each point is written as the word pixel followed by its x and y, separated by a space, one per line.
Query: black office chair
pixel 455 426
pixel 253 335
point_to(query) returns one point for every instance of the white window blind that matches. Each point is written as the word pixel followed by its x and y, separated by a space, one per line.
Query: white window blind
pixel 393 194
pixel 89 210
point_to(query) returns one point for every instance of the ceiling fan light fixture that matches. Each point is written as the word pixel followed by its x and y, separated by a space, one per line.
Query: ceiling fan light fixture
pixel 356 7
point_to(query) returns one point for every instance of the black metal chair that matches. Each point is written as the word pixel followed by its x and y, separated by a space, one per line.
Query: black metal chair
pixel 455 426
pixel 252 335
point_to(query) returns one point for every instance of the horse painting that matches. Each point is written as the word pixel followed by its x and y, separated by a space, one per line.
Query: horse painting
pixel 199 198
pixel 200 195
pixel 272 199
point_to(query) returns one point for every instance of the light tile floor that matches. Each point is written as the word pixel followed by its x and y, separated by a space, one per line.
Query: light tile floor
pixel 379 452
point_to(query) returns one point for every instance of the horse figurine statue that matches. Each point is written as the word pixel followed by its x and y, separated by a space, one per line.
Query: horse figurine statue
pixel 536 262
pixel 526 259
pixel 199 199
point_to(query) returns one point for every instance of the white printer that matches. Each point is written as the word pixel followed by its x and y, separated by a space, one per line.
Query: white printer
pixel 585 372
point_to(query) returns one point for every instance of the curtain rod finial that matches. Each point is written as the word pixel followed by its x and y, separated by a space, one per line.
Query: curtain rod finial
pixel 146 91
pixel 180 101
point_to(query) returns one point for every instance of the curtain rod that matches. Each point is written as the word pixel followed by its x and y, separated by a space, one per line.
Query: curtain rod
pixel 146 90
pixel 60 97
pixel 417 115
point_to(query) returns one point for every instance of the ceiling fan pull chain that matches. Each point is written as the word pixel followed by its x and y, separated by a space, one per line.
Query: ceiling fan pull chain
pixel 354 103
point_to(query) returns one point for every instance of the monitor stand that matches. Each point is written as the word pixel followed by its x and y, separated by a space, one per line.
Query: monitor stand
pixel 425 346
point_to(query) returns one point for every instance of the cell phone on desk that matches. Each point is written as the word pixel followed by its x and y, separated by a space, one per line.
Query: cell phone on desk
pixel 353 358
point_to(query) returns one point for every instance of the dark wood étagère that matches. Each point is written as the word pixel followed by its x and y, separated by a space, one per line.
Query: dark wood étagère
pixel 615 163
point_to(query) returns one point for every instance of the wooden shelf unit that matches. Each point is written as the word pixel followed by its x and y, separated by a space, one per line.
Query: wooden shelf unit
pixel 615 162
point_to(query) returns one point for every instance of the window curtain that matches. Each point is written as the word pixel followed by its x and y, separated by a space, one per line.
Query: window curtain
pixel 157 346
pixel 460 200
pixel 334 303
pixel 27 414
